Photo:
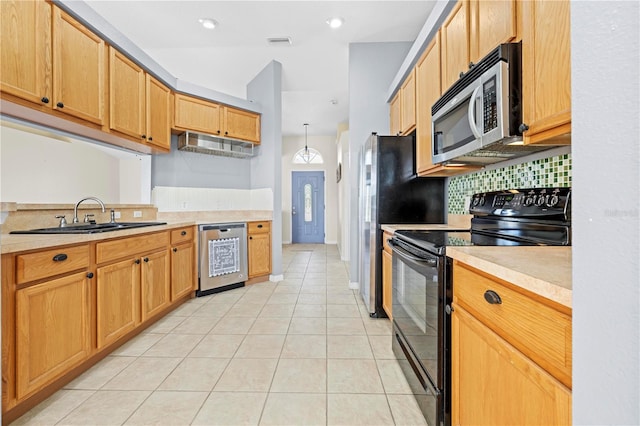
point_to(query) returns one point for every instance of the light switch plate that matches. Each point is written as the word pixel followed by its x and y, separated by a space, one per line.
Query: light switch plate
pixel 137 213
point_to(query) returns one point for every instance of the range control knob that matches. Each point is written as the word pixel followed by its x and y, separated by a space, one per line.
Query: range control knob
pixel 553 201
pixel 540 200
pixel 528 201
pixel 476 200
pixel 482 200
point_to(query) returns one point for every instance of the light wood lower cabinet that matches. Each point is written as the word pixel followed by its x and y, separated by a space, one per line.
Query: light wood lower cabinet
pixel 52 330
pixel 155 285
pixel 511 361
pixel 259 248
pixel 387 275
pixel 118 300
pixel 183 255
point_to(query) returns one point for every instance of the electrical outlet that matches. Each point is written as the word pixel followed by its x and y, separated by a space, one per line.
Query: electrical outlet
pixel 184 205
pixel 137 213
pixel 116 215
pixel 467 203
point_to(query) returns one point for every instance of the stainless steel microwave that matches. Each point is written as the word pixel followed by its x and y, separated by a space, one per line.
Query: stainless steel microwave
pixel 477 121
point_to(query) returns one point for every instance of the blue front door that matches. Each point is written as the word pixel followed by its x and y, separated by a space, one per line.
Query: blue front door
pixel 307 207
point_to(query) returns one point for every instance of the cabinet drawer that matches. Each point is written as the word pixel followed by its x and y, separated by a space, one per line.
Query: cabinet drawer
pixel 385 242
pixel 541 332
pixel 182 235
pixel 133 246
pixel 34 266
pixel 259 227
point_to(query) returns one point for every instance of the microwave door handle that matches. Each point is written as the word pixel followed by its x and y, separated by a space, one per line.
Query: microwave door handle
pixel 471 115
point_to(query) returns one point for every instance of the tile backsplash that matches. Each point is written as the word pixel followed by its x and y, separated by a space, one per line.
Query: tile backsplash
pixel 552 171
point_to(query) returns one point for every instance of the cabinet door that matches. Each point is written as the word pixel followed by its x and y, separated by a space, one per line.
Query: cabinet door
pixel 491 23
pixel 25 50
pixel 259 250
pixel 387 268
pixel 158 113
pixel 197 115
pixel 78 69
pixel 155 283
pixel 118 300
pixel 427 93
pixel 126 95
pixel 52 330
pixel 240 124
pixel 514 389
pixel 455 44
pixel 408 104
pixel 546 71
pixel 182 274
pixel 394 115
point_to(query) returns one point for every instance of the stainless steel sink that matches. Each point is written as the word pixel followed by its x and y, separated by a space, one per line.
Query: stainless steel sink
pixel 89 228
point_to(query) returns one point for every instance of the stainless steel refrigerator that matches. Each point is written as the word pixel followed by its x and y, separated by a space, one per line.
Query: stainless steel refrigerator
pixel 390 193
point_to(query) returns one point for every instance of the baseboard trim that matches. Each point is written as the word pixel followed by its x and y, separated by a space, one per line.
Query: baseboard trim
pixel 276 278
pixel 354 285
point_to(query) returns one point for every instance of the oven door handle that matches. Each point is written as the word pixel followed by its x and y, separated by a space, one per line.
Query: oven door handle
pixel 403 253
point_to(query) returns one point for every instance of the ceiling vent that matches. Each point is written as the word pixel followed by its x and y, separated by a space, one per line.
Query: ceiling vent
pixel 280 41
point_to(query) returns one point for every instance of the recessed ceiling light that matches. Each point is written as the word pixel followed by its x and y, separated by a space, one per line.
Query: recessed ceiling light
pixel 208 23
pixel 335 22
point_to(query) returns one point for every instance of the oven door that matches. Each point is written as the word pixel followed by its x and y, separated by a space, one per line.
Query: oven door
pixel 419 295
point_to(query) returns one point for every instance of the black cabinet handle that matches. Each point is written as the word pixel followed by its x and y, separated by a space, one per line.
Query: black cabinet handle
pixel 218 131
pixel 260 226
pixel 251 238
pixel 492 297
pixel 90 275
pixel 226 133
pixel 60 105
pixel 144 136
pixel 183 233
pixel 471 65
pixel 461 74
pixel 137 261
pixel 60 257
pixel 175 250
pixel 146 259
pixel 150 138
pixel 45 100
pixel 523 128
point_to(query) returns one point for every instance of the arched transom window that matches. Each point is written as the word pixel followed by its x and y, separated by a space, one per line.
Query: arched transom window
pixel 308 156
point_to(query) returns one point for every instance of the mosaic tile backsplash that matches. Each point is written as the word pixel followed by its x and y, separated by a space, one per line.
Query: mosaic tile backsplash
pixel 553 171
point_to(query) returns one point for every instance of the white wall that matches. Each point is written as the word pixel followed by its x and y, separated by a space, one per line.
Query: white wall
pixel 344 199
pixel 605 56
pixel 36 168
pixel 326 145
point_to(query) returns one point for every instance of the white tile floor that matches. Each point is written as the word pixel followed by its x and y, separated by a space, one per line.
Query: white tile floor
pixel 301 351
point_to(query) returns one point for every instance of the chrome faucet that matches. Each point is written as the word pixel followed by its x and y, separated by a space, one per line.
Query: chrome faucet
pixel 75 209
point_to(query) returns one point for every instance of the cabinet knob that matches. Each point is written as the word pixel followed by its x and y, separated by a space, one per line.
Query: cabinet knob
pixel 471 65
pixel 60 105
pixel 45 100
pixel 226 133
pixel 251 238
pixel 61 257
pixel 90 275
pixel 218 131
pixel 150 138
pixel 144 136
pixel 523 128
pixel 175 250
pixel 492 297
pixel 183 233
pixel 260 226
pixel 461 74
pixel 137 261
pixel 146 259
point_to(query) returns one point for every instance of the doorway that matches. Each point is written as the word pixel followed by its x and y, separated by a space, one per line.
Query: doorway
pixel 307 207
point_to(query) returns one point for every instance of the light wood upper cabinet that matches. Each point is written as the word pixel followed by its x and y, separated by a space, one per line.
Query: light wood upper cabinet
pixel 259 248
pixel 546 71
pixel 25 50
pixel 196 114
pixel 126 95
pixel 79 72
pixel 408 104
pixel 158 113
pixel 455 44
pixel 428 91
pixel 239 124
pixel 492 22
pixel 517 353
pixel 394 115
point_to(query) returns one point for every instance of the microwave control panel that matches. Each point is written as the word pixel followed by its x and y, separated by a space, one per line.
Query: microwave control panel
pixel 522 202
pixel 489 105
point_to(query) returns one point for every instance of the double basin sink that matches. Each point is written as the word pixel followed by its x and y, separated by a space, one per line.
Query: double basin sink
pixel 89 228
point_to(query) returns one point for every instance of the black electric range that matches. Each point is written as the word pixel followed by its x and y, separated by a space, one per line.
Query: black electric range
pixel 422 281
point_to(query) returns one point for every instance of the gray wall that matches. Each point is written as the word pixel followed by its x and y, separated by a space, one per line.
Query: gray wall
pixel 266 169
pixel 372 67
pixel 606 159
pixel 193 170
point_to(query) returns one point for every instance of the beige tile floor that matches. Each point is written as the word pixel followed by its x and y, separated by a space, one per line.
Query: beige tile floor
pixel 302 351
